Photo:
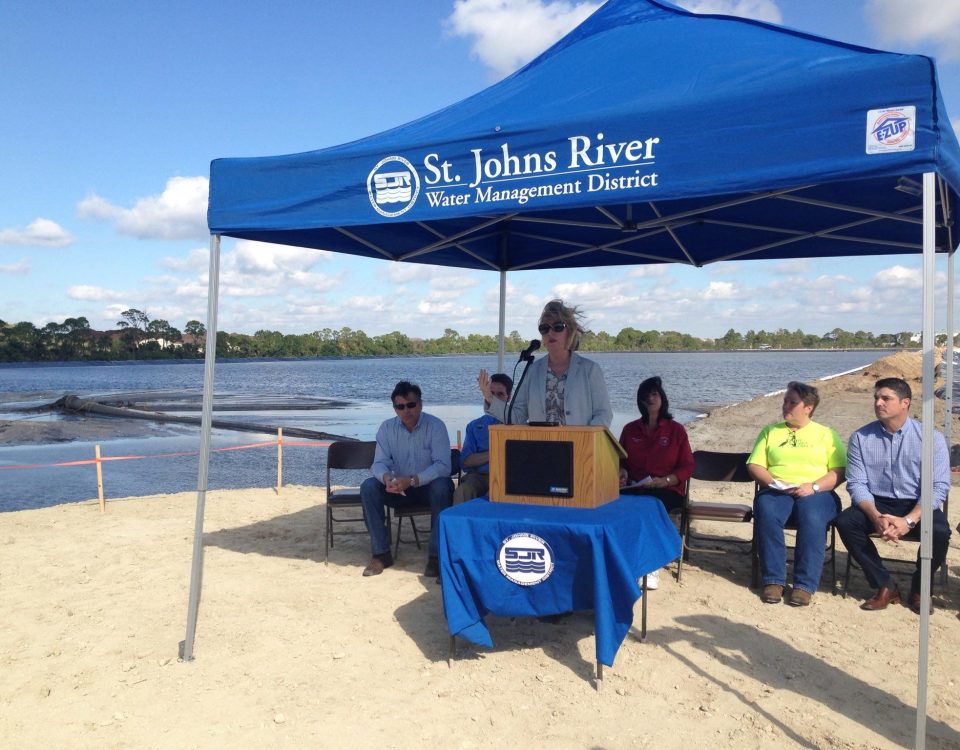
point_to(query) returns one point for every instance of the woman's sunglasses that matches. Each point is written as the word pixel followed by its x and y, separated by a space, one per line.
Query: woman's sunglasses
pixel 545 328
pixel 407 405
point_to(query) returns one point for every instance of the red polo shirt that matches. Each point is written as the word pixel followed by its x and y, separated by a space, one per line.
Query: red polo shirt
pixel 656 453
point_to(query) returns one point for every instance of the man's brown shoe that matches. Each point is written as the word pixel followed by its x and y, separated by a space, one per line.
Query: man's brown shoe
pixel 378 563
pixel 915 603
pixel 799 598
pixel 884 596
pixel 374 567
pixel 772 593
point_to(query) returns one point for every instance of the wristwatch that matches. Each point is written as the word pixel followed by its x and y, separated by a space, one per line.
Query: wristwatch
pixel 911 524
pixel 816 487
pixel 413 481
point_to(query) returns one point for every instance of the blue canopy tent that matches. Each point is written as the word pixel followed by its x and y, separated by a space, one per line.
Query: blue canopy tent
pixel 647 135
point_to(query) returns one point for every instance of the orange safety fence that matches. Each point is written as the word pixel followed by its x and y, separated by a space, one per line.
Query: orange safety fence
pixel 99 460
pixel 105 459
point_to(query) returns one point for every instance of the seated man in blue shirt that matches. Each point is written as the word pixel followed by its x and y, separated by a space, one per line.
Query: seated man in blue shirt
pixel 411 466
pixel 475 457
pixel 883 479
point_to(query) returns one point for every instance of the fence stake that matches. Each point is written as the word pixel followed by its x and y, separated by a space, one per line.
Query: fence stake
pixel 96 452
pixel 279 459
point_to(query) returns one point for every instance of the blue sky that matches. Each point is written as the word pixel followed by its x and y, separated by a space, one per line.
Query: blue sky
pixel 113 110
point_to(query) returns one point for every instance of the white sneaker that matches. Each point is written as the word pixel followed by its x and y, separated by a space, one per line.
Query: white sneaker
pixel 653 580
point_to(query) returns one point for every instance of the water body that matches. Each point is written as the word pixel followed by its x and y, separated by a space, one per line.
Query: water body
pixel 694 381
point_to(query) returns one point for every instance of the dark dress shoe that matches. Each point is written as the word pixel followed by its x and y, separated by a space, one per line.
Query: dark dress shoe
pixel 378 563
pixel 915 602
pixel 884 597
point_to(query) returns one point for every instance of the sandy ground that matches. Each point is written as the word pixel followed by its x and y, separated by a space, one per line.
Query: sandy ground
pixel 294 653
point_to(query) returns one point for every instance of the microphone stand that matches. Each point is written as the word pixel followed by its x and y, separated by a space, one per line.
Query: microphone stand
pixel 529 358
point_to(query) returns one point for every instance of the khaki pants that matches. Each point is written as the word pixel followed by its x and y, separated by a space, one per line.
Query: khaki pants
pixel 471 485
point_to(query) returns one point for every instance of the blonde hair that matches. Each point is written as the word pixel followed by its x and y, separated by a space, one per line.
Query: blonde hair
pixel 571 315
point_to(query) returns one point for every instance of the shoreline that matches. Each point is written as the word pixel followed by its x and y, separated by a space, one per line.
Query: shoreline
pixel 347 357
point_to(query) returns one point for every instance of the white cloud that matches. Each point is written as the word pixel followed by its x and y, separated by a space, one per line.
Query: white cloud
pixel 653 270
pixel 720 290
pixel 38 233
pixel 427 307
pixel 510 33
pixel 916 22
pixel 196 260
pixel 178 213
pixel 456 280
pixel 94 293
pixel 759 10
pixel 898 277
pixel 792 267
pixel 254 269
pixel 266 257
pixel 404 273
pixel 22 266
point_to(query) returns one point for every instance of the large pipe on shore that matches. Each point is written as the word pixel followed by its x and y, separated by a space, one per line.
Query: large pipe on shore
pixel 76 405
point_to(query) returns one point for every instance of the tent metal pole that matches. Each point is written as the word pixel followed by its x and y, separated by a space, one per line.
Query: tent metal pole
pixel 503 320
pixel 926 465
pixel 948 352
pixel 209 360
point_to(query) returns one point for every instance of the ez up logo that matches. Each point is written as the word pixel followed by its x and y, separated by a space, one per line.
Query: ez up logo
pixel 891 129
pixel 393 186
pixel 525 559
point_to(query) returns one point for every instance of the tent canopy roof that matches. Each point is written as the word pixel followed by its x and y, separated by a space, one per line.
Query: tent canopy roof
pixel 646 135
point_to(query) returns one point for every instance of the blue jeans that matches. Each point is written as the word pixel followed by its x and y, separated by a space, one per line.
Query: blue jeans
pixel 811 516
pixel 374 498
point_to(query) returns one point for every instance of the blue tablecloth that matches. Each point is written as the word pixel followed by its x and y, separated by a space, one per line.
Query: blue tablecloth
pixel 597 555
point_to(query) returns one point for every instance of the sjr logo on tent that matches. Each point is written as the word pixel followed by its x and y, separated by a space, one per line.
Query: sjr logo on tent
pixel 525 559
pixel 891 129
pixel 393 186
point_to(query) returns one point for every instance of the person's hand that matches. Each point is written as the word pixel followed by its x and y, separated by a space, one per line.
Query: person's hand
pixel 895 527
pixel 483 380
pixel 623 477
pixel 803 490
pixel 397 485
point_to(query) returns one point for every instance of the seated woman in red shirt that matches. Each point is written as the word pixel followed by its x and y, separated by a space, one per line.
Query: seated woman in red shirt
pixel 658 449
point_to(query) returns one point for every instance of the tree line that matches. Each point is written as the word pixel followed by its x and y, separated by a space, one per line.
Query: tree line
pixel 137 336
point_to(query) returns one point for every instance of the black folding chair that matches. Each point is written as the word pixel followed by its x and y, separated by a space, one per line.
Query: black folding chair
pixel 342 457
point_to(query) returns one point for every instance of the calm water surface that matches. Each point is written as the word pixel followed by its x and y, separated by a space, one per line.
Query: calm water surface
pixel 694 382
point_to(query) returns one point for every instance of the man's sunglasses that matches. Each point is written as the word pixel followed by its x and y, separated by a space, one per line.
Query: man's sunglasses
pixel 545 328
pixel 407 405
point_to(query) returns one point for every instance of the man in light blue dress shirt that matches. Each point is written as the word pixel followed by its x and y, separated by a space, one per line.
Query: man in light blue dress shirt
pixel 411 466
pixel 883 479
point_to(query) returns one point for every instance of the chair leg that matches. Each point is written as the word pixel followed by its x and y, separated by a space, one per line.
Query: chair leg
pixel 846 577
pixel 416 534
pixel 754 561
pixel 328 536
pixel 833 560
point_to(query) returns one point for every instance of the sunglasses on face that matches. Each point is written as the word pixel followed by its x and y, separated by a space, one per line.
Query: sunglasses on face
pixel 408 405
pixel 545 328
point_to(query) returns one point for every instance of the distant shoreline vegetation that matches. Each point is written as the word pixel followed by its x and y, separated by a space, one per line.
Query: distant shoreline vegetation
pixel 137 337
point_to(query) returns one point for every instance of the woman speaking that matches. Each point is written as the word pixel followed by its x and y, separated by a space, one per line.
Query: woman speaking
pixel 563 387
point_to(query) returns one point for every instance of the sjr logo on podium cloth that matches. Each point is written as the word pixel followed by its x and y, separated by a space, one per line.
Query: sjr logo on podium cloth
pixel 525 559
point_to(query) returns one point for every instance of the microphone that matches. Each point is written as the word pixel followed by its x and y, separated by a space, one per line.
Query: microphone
pixel 526 354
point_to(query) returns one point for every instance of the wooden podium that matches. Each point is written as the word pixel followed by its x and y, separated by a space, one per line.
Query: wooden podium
pixel 575 467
